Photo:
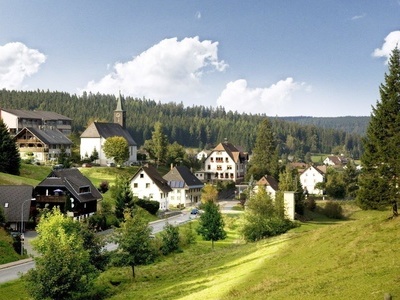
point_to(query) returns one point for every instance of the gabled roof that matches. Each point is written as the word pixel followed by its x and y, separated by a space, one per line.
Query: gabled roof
pixel 72 180
pixel 320 171
pixel 46 135
pixel 36 114
pixel 106 130
pixel 152 172
pixel 337 160
pixel 268 180
pixel 232 151
pixel 180 177
pixel 15 196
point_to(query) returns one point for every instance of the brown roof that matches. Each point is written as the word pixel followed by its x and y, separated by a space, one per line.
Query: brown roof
pixel 268 180
pixel 232 151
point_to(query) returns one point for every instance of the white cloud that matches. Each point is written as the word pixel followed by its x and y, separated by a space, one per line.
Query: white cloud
pixel 17 62
pixel 198 15
pixel 357 17
pixel 391 40
pixel 273 100
pixel 168 71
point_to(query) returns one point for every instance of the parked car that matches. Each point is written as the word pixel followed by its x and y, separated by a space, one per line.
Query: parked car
pixel 86 165
pixel 110 164
pixel 194 211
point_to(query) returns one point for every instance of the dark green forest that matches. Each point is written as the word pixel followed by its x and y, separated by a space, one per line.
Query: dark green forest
pixel 197 126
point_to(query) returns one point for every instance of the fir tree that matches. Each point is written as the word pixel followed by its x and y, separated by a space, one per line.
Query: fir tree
pixel 10 160
pixel 265 156
pixel 381 167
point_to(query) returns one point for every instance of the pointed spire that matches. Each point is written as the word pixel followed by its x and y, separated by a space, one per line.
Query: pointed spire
pixel 120 106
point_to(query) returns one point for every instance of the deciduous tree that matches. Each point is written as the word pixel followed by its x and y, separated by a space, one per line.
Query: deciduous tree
pixel 116 148
pixel 209 193
pixel 133 238
pixel 64 263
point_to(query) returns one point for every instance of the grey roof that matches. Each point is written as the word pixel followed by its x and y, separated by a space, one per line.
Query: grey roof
pixel 106 130
pixel 181 176
pixel 36 114
pixel 47 136
pixel 71 180
pixel 152 172
pixel 120 103
pixel 15 196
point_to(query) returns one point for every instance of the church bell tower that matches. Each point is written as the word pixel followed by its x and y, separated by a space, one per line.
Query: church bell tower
pixel 120 113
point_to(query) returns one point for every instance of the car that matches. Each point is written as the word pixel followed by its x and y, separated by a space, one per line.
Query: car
pixel 86 165
pixel 194 211
pixel 110 164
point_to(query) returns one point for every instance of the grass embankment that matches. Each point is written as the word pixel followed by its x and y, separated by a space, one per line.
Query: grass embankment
pixel 324 259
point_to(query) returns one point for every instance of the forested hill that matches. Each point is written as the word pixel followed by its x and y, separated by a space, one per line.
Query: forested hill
pixel 350 124
pixel 196 126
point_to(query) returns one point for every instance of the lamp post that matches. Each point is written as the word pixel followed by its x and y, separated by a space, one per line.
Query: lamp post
pixel 22 222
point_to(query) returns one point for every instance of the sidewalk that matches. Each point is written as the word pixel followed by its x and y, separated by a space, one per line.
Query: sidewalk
pixel 15 263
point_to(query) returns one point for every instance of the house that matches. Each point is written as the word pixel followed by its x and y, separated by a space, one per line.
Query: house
pixel 225 162
pixel 269 183
pixel 186 188
pixel 97 133
pixel 202 154
pixel 16 202
pixel 45 143
pixel 17 119
pixel 335 160
pixel 309 178
pixel 147 183
pixel 70 190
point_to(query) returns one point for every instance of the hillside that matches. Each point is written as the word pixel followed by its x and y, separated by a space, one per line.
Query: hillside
pixel 197 126
pixel 323 259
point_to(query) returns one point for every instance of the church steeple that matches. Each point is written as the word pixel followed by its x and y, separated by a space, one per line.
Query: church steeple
pixel 119 112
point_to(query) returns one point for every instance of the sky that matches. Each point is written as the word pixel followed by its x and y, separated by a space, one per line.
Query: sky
pixel 321 58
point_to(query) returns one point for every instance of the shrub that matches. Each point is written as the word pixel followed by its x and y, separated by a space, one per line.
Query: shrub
pixel 333 210
pixel 150 205
pixel 104 186
pixel 310 203
pixel 111 221
pixel 187 235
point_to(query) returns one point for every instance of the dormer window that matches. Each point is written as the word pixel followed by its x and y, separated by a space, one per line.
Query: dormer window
pixel 84 189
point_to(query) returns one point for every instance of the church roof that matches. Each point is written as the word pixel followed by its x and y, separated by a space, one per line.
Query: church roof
pixel 106 130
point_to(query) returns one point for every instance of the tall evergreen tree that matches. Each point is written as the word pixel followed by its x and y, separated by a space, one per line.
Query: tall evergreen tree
pixel 381 167
pixel 10 160
pixel 265 156
pixel 160 143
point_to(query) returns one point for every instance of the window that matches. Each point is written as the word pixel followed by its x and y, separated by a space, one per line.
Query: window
pixel 219 168
pixel 84 189
pixel 209 167
pixel 141 175
pixel 147 185
pixel 229 167
pixel 6 204
pixel 135 185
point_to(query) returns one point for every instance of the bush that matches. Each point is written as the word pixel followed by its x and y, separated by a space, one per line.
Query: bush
pixel 187 235
pixel 333 210
pixel 104 186
pixel 150 205
pixel 310 203
pixel 263 228
pixel 112 221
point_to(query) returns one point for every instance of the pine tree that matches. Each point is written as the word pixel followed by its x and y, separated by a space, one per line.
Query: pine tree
pixel 211 223
pixel 265 156
pixel 10 160
pixel 381 167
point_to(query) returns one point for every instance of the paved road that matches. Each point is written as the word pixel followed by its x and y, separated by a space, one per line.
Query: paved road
pixel 14 270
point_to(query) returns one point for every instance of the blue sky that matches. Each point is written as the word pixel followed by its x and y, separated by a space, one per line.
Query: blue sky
pixel 284 58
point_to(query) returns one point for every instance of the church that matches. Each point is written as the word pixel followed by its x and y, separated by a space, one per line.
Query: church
pixel 95 135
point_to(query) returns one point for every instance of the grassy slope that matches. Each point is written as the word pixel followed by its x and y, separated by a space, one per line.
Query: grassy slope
pixel 352 259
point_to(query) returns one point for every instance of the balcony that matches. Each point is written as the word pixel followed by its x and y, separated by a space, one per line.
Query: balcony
pixel 51 199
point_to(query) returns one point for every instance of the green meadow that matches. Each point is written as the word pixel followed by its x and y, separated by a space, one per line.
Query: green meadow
pixel 353 258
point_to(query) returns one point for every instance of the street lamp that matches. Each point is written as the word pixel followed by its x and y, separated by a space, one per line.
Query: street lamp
pixel 22 223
